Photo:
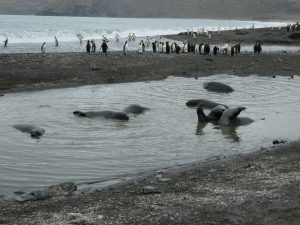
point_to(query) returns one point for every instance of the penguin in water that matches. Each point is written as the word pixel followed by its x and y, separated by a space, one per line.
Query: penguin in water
pixel 117 37
pixel 79 36
pixel 6 42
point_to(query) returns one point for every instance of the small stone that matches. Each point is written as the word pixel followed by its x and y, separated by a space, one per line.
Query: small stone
pixel 63 189
pixel 192 178
pixel 212 171
pixel 19 193
pixel 76 193
pixel 77 219
pixel 25 198
pixel 75 216
pixel 150 190
pixel 40 195
pixel 100 217
pixel 164 179
pixel 158 176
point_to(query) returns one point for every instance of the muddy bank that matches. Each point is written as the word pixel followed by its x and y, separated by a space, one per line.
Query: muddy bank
pixel 274 36
pixel 257 188
pixel 54 70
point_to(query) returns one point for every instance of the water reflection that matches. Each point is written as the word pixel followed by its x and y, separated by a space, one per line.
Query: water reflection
pixel 200 127
pixel 230 132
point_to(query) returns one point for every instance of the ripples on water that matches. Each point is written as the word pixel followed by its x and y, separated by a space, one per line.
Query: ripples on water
pixel 83 149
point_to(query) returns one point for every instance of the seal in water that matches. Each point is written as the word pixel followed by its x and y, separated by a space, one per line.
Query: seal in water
pixel 135 109
pixel 214 115
pixel 206 104
pixel 217 87
pixel 104 114
pixel 230 117
pixel 31 129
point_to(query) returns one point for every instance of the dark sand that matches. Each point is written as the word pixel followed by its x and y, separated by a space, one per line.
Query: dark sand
pixel 34 71
pixel 258 188
pixel 247 36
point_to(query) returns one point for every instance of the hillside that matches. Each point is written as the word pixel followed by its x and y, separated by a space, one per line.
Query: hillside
pixel 230 9
pixel 16 7
pixel 227 9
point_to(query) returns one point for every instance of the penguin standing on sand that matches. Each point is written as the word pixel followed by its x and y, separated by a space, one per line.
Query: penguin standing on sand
pixel 93 45
pixel 56 41
pixel 177 48
pixel 154 46
pixel 88 47
pixel 173 47
pixel 125 48
pixel 168 48
pixel 206 49
pixel 232 50
pixel 43 47
pixel 140 48
pixel 215 50
pixel 104 47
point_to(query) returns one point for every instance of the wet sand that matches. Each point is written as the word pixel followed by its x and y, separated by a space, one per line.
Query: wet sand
pixel 258 188
pixel 55 70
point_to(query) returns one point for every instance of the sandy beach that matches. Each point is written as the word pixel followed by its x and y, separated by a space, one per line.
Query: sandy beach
pixel 257 188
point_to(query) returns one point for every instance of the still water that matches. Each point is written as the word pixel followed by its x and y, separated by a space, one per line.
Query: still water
pixel 83 149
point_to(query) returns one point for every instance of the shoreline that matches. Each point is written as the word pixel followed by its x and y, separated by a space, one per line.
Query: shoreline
pixel 28 72
pixel 240 189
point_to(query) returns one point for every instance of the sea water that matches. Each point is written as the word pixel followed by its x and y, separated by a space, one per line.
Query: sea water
pixel 27 33
pixel 94 149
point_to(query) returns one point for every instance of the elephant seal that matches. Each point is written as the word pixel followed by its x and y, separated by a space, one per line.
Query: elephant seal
pixel 31 129
pixel 135 109
pixel 206 104
pixel 214 115
pixel 230 117
pixel 217 87
pixel 104 114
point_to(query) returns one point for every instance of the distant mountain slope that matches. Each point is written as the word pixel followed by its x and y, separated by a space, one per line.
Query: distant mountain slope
pixel 273 9
pixel 23 6
pixel 228 9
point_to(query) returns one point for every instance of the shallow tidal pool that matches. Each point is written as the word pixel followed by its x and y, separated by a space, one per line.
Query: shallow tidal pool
pixel 84 149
